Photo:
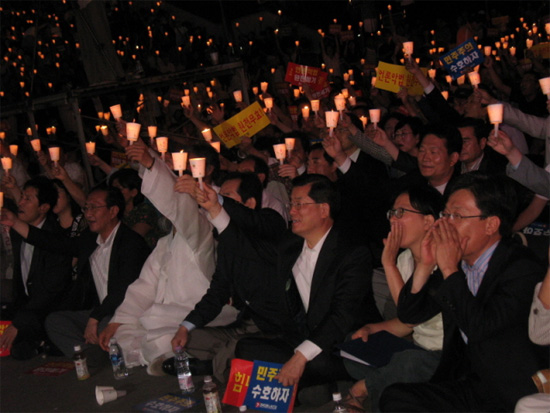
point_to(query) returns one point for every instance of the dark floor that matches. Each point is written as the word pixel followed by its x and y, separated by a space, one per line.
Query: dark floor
pixel 22 392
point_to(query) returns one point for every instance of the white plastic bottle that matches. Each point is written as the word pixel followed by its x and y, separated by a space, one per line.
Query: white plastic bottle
pixel 185 379
pixel 117 360
pixel 338 406
pixel 211 396
pixel 80 363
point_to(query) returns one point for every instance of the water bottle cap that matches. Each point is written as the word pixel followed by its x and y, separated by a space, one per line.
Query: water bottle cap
pixel 242 408
pixel 179 349
pixel 207 379
pixel 77 347
pixel 112 340
pixel 336 397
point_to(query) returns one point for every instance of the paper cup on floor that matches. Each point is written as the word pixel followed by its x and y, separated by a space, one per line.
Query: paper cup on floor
pixel 106 396
pixel 99 389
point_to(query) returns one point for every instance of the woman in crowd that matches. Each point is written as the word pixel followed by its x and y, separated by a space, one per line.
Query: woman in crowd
pixel 413 213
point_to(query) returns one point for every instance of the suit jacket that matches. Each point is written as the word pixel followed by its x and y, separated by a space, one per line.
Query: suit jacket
pixel 531 176
pixel 499 356
pixel 128 254
pixel 245 268
pixel 48 280
pixel 341 298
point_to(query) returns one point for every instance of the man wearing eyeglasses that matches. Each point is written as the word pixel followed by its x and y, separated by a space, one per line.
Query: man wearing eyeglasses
pixel 484 293
pixel 324 284
pixel 110 257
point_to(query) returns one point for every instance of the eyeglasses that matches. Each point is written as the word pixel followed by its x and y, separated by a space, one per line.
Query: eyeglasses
pixel 298 205
pixel 92 208
pixel 398 213
pixel 458 217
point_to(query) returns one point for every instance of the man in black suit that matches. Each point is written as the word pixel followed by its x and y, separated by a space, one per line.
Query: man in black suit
pixel 40 278
pixel 324 284
pixel 247 236
pixel 484 292
pixel 110 257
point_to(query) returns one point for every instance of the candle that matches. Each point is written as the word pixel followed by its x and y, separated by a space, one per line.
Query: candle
pixel 35 143
pixel 495 114
pixel 2 135
pixel 346 77
pixel 14 149
pixel 255 90
pixel 345 93
pixel 216 146
pixel 54 154
pixel 487 50
pixel 198 166
pixel 340 103
pixel 512 51
pixel 29 131
pixel 296 93
pixel 263 86
pixel 364 121
pixel 207 134
pixel 331 118
pixel 100 115
pixel 104 130
pixel 107 115
pixel 280 152
pixel 238 95
pixel 374 115
pixel 305 112
pixel 289 144
pixel 116 110
pixel 315 105
pixel 132 131
pixel 90 147
pixel 268 103
pixel 152 131
pixel 431 73
pixel 1 199
pixel 186 101
pixel 373 81
pixel 460 80
pixel 529 43
pixel 408 47
pixel 352 101
pixel 7 164
pixel 445 94
pixel 475 79
pixel 545 86
pixel 179 159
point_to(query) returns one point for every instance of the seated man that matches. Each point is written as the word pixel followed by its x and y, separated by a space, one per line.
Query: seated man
pixel 246 253
pixel 323 284
pixel 175 276
pixel 40 277
pixel 110 257
pixel 484 293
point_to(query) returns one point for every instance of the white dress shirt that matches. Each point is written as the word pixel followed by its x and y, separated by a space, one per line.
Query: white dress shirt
pixel 99 261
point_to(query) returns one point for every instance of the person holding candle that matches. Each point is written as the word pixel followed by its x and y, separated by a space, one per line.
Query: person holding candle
pixel 41 278
pixel 178 272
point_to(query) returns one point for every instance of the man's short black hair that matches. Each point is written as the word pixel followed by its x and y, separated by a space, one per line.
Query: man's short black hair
pixel 481 129
pixel 322 190
pixel 113 198
pixel 494 196
pixel 260 167
pixel 327 157
pixel 249 187
pixel 448 133
pixel 45 190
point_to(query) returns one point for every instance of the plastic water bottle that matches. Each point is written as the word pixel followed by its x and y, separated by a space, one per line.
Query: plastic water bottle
pixel 211 396
pixel 117 360
pixel 338 406
pixel 185 379
pixel 81 366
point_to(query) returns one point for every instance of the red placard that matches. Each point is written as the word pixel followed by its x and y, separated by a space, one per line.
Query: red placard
pixel 239 379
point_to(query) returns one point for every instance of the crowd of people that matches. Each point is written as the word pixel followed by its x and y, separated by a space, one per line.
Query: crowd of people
pixel 272 258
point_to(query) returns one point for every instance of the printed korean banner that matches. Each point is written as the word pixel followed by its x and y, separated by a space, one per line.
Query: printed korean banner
pixel 52 368
pixel 266 393
pixel 462 57
pixel 392 77
pixel 170 403
pixel 299 75
pixel 3 325
pixel 239 379
pixel 245 123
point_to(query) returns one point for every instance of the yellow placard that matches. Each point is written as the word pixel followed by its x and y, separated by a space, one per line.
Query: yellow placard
pixel 393 77
pixel 245 123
